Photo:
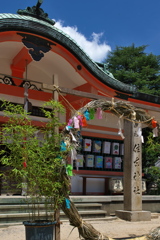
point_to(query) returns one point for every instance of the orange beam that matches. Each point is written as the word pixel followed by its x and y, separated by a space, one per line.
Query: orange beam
pixel 19 63
pixel 77 101
pixel 19 92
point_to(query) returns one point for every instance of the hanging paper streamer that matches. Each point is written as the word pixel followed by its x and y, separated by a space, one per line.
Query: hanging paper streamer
pixel 139 132
pixel 67 201
pixel 73 137
pixel 91 113
pixel 73 154
pixel 99 113
pixel 69 169
pixel 155 132
pixel 120 128
pixel 87 115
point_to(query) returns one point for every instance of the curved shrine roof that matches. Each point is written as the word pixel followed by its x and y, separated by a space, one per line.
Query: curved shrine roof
pixel 28 24
pixel 15 22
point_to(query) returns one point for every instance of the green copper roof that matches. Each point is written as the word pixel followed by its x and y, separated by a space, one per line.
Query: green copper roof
pixel 14 22
pixel 36 12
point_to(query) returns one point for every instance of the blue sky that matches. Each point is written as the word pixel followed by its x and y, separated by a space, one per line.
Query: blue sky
pixel 100 26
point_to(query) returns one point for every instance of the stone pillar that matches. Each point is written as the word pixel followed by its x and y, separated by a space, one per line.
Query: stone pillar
pixel 133 175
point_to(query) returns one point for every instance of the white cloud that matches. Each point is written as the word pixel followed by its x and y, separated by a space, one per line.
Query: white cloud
pixel 95 49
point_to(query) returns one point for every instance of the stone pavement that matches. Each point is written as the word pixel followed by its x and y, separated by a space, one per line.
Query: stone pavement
pixel 113 229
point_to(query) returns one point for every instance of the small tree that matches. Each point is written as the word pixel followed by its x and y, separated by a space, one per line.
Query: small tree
pixel 36 161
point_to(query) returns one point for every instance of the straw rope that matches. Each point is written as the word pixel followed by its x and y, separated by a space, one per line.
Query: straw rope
pixel 122 110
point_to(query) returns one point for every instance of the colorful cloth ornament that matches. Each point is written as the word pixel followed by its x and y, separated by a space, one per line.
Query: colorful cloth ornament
pixel 68 128
pixel 24 164
pixel 67 201
pixel 154 123
pixel 70 122
pixel 99 113
pixel 69 169
pixel 84 121
pixel 80 119
pixel 63 146
pixel 92 113
pixel 87 115
pixel 76 122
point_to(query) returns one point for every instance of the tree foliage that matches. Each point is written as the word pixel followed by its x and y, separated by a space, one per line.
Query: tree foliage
pixel 34 160
pixel 132 65
pixel 151 148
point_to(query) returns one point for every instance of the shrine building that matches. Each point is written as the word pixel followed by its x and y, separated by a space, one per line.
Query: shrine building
pixel 34 56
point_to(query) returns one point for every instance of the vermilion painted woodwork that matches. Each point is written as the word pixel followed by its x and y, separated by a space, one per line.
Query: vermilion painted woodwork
pixel 104 173
pixel 100 135
pixel 77 101
pixel 143 102
pixel 19 92
pixel 107 91
pixel 101 128
pixel 19 64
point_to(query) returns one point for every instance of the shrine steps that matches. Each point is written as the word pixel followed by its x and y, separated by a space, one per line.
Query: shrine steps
pixel 91 208
pixel 15 213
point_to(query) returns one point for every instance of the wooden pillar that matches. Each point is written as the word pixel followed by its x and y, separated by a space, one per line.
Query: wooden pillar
pixel 133 175
pixel 84 185
pixel 106 185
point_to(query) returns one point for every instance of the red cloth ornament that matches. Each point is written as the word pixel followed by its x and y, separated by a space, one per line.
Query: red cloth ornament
pixel 154 123
pixel 84 121
pixel 24 164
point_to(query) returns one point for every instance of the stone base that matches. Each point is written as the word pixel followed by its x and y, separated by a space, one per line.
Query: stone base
pixel 134 216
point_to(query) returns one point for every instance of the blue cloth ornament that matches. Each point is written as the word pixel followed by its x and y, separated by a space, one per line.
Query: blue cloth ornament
pixel 67 203
pixel 87 115
pixel 63 146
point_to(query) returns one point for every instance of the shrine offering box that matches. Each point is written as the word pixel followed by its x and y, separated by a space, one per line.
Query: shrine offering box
pixel 122 149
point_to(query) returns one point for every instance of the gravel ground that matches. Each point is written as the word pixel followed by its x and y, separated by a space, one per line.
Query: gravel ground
pixel 113 229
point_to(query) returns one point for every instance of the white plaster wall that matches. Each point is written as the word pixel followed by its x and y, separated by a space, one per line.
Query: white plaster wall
pixel 93 185
pixel 155 115
pixel 76 184
pixel 109 120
